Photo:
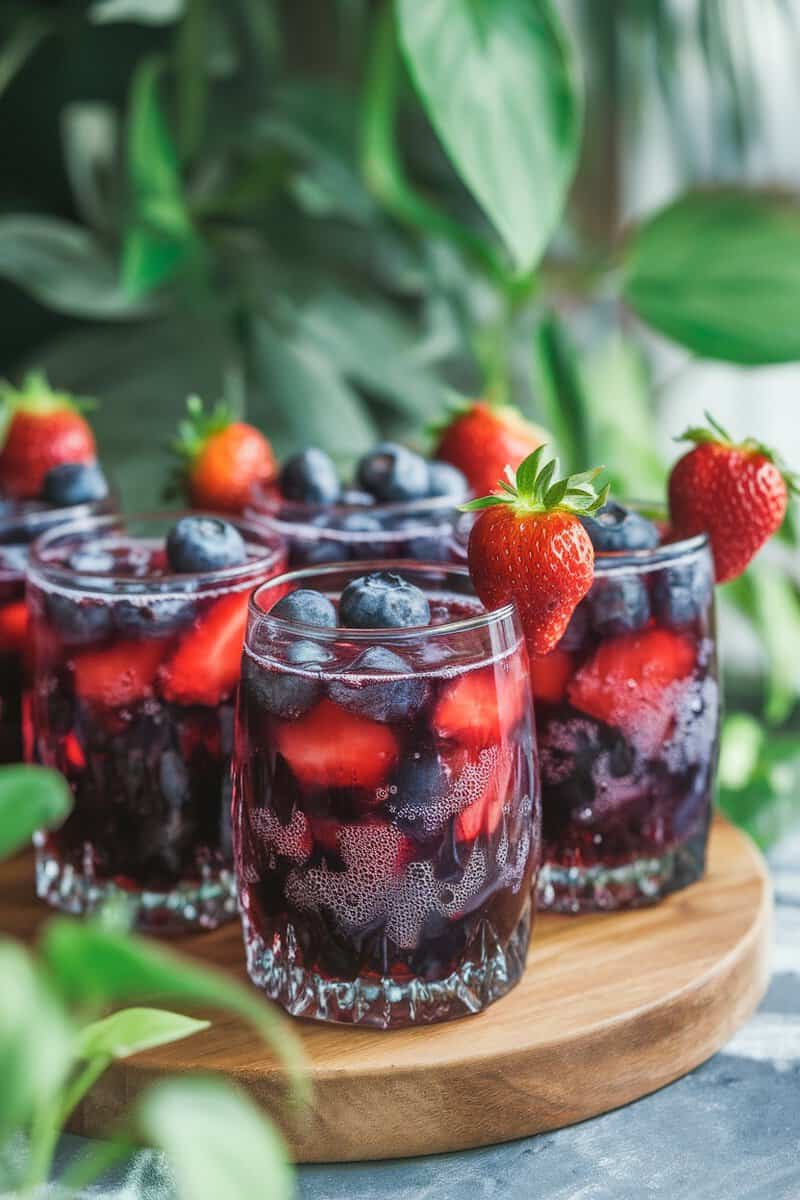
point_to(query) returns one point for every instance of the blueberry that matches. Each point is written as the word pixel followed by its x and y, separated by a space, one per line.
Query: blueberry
pixel 446 480
pixel 92 562
pixel 382 600
pixel 156 617
pixel 78 622
pixel 361 523
pixel 74 483
pixel 306 606
pixel 382 700
pixel 173 776
pixel 619 605
pixel 682 593
pixel 421 544
pixel 283 693
pixel 419 781
pixel 204 544
pixel 392 472
pixel 615 528
pixel 575 633
pixel 313 552
pixel 353 497
pixel 310 477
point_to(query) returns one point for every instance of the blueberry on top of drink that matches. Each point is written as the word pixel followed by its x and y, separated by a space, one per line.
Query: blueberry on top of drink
pixel 387 474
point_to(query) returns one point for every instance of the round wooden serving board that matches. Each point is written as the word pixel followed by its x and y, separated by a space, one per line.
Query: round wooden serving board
pixel 610 1008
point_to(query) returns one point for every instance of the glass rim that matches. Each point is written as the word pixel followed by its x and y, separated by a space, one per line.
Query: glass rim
pixel 174 583
pixel 485 619
pixel 607 561
pixel 38 512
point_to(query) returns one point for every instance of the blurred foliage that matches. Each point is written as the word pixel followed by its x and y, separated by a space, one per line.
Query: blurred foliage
pixel 334 211
pixel 57 1038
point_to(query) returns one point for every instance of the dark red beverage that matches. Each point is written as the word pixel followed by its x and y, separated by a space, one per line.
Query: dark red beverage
pixel 136 669
pixel 386 809
pixel 21 522
pixel 627 721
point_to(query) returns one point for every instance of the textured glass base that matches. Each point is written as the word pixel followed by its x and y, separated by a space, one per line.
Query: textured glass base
pixel 635 884
pixel 381 1001
pixel 185 908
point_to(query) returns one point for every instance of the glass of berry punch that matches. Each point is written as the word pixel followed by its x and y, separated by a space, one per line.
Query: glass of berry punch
pixel 386 810
pixel 70 491
pixel 627 716
pixel 138 625
pixel 399 505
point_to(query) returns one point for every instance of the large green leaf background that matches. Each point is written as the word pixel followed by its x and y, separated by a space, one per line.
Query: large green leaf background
pixel 500 87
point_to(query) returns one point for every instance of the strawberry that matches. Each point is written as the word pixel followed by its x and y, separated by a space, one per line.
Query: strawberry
pixel 483 439
pixel 485 814
pixel 630 683
pixel 529 546
pixel 221 459
pixel 550 674
pixel 13 627
pixel 118 675
pixel 204 667
pixel 333 748
pixel 43 428
pixel 478 707
pixel 736 493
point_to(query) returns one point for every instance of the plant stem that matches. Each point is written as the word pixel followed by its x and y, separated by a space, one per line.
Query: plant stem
pixel 49 1119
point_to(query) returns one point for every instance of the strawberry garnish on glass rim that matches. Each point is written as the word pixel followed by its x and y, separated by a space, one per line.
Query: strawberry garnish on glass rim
pixel 530 547
pixel 736 492
pixel 481 436
pixel 220 458
pixel 40 428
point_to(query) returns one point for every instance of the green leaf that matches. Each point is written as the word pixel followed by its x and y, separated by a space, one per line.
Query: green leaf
pixel 371 345
pixel 499 84
pixel 759 778
pixel 89 137
pixel 35 1039
pixel 596 398
pixel 20 44
pixel 133 1030
pixel 300 399
pixel 65 268
pixel 719 272
pixel 217 1141
pixel 93 966
pixel 146 12
pixel 31 798
pixel 777 617
pixel 382 164
pixel 160 240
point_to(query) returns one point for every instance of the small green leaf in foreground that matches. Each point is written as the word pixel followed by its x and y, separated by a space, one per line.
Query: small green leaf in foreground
pixel 133 1030
pixel 218 1143
pixel 93 966
pixel 31 798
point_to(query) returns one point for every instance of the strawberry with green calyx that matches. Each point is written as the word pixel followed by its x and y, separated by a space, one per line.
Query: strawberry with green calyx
pixel 530 547
pixel 737 493
pixel 482 439
pixel 40 428
pixel 220 458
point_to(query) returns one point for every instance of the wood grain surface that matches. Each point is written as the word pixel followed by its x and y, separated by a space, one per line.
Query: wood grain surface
pixel 610 1008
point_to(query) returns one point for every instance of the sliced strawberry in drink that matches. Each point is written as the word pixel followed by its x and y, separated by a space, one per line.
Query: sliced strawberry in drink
pixel 550 674
pixel 478 708
pixel 118 675
pixel 333 748
pixel 486 811
pixel 204 669
pixel 13 627
pixel 631 682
